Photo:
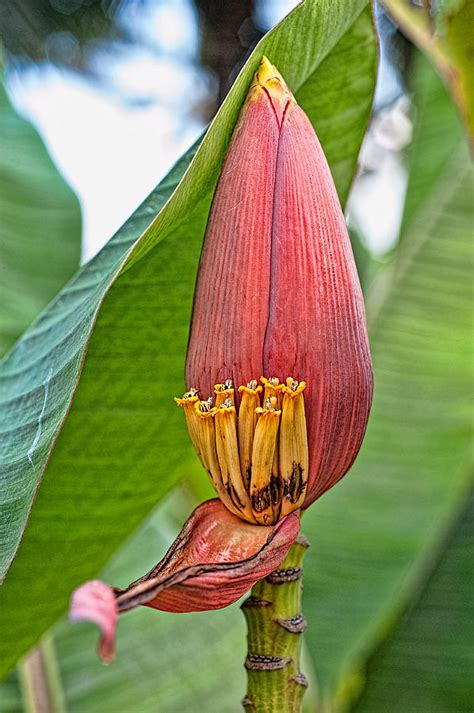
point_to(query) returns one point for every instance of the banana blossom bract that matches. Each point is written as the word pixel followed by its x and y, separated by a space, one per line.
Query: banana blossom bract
pixel 278 371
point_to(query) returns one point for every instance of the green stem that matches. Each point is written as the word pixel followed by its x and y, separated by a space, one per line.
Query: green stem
pixel 40 680
pixel 275 626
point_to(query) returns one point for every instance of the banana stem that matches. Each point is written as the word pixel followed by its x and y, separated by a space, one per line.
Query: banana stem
pixel 275 627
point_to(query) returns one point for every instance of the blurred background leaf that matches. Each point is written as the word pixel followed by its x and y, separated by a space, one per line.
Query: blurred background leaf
pixel 160 658
pixel 377 534
pixel 40 227
pixel 443 30
pixel 122 443
pixel 431 651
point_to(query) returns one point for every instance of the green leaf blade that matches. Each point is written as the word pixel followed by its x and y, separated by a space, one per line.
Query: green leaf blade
pixel 431 650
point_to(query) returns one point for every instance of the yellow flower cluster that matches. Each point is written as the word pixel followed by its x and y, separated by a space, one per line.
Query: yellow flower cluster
pixel 256 455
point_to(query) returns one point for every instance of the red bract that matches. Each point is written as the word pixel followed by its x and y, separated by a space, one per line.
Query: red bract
pixel 277 296
pixel 215 559
pixel 278 292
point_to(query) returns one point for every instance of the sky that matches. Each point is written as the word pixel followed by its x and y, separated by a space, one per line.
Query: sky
pixel 115 139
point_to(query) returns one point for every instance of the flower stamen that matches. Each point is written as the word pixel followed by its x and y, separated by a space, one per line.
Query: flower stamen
pixel 209 458
pixel 272 388
pixel 264 485
pixel 256 455
pixel 223 392
pixel 247 420
pixel 225 419
pixel 293 446
pixel 188 404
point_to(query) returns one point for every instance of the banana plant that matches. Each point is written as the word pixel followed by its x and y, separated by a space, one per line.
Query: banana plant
pixel 90 386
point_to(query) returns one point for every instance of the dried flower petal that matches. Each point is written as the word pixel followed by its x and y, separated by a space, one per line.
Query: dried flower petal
pixel 96 602
pixel 215 559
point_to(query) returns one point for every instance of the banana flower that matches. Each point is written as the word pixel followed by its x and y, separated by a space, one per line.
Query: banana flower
pixel 278 370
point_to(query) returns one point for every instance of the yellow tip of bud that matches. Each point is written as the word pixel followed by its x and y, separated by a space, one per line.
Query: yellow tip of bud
pixel 268 77
pixel 267 71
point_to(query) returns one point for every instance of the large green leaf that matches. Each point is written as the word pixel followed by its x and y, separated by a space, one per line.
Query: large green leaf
pixel 374 535
pixel 40 226
pixel 432 651
pixel 119 448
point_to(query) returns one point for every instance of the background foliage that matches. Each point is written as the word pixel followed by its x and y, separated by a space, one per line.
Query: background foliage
pixel 387 579
pixel 40 230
